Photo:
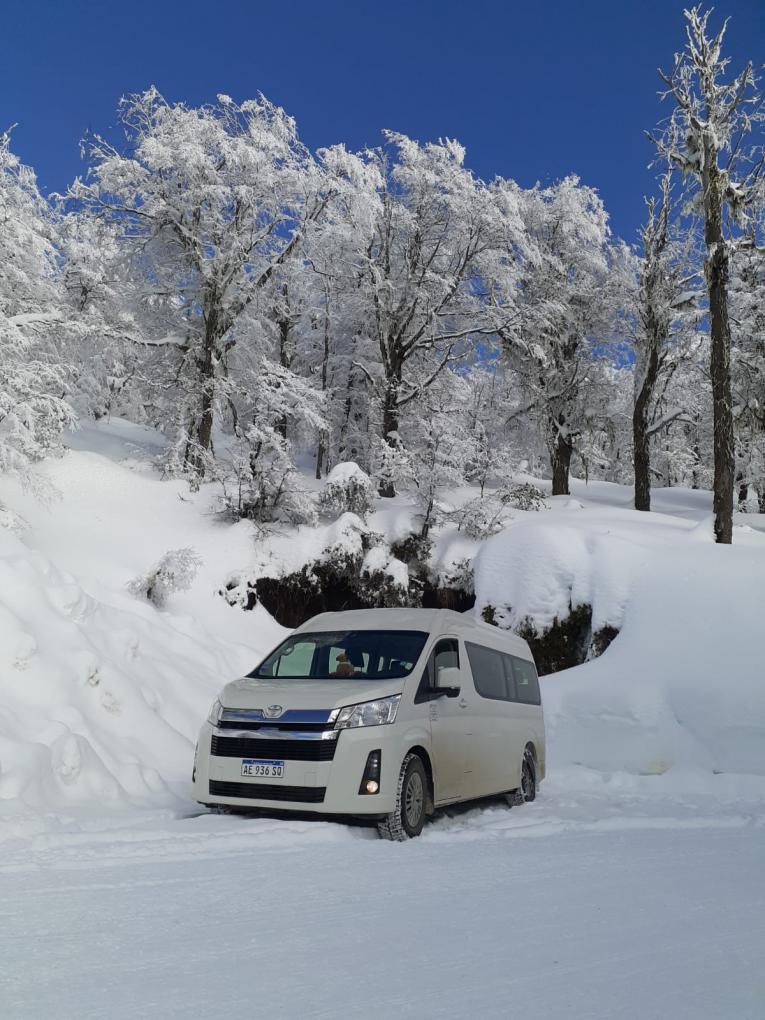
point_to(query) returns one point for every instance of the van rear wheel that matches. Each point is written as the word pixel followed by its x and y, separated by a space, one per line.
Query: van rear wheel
pixel 528 777
pixel 527 791
pixel 408 817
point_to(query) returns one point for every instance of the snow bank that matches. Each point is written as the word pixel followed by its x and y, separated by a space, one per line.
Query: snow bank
pixel 681 689
pixel 99 702
pixel 541 566
pixel 101 694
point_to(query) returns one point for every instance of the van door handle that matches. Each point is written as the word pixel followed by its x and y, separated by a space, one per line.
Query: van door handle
pixel 462 703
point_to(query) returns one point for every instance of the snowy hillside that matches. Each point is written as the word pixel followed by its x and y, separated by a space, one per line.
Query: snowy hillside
pixel 102 694
pixel 656 774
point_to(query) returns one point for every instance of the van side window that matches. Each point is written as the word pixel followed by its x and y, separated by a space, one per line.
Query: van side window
pixel 507 662
pixel 488 672
pixel 446 654
pixel 526 682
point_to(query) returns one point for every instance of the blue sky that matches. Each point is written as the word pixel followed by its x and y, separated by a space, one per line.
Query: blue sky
pixel 534 90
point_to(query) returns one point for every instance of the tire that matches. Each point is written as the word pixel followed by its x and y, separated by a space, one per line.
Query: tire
pixel 220 809
pixel 528 777
pixel 408 817
pixel 527 791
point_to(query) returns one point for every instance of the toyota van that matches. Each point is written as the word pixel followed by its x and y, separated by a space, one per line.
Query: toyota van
pixel 382 713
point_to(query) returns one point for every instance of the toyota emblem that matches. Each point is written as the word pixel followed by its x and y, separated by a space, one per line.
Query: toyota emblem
pixel 273 711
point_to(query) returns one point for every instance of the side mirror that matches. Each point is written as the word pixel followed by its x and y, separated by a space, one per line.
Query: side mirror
pixel 448 681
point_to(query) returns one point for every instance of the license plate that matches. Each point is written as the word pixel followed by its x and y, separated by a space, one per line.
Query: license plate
pixel 262 768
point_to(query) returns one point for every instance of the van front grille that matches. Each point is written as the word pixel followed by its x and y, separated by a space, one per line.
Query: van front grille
pixel 268 791
pixel 288 750
pixel 271 724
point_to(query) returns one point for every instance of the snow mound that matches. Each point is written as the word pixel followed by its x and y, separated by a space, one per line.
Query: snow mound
pixel 681 689
pixel 102 694
pixel 345 472
pixel 538 570
pixel 378 560
pixel 99 702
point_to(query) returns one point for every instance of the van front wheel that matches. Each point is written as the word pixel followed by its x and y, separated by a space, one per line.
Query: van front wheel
pixel 408 817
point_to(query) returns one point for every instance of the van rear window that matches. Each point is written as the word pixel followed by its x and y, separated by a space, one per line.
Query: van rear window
pixel 346 655
pixel 503 677
pixel 526 681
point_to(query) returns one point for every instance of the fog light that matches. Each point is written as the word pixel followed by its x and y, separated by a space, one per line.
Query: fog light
pixel 370 781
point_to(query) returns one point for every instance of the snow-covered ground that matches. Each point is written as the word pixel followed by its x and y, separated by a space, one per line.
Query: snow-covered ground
pixel 553 910
pixel 631 887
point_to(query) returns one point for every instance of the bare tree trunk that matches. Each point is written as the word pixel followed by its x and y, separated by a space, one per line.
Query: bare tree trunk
pixel 284 322
pixel 655 279
pixel 390 432
pixel 716 270
pixel 642 459
pixel 743 496
pixel 321 452
pixel 204 432
pixel 391 419
pixel 640 438
pixel 696 462
pixel 561 449
pixel 200 432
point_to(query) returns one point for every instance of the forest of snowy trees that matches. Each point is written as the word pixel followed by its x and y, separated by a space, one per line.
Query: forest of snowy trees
pixel 268 307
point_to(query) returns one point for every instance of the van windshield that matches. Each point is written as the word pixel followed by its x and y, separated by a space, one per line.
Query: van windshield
pixel 348 654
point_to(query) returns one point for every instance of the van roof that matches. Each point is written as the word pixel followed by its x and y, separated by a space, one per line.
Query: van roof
pixel 431 620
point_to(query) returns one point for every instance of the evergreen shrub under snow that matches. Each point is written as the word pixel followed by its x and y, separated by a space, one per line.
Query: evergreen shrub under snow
pixel 484 516
pixel 174 572
pixel 347 489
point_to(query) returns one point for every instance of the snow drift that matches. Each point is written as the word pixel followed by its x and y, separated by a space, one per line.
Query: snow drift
pixel 681 688
pixel 102 694
pixel 99 702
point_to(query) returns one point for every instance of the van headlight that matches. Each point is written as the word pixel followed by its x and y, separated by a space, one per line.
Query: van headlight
pixel 214 714
pixel 370 713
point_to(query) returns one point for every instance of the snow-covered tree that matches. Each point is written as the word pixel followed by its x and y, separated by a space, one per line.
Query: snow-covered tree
pixel 209 203
pixel 666 312
pixel 439 446
pixel 102 294
pixel 564 312
pixel 489 458
pixel 347 489
pixel 174 572
pixel 257 468
pixel 709 139
pixel 431 222
pixel 33 376
pixel 335 341
pixel 748 369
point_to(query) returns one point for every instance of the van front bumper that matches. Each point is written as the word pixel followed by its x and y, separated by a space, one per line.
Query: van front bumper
pixel 323 787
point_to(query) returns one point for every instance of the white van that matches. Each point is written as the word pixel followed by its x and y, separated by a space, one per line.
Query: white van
pixel 385 713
